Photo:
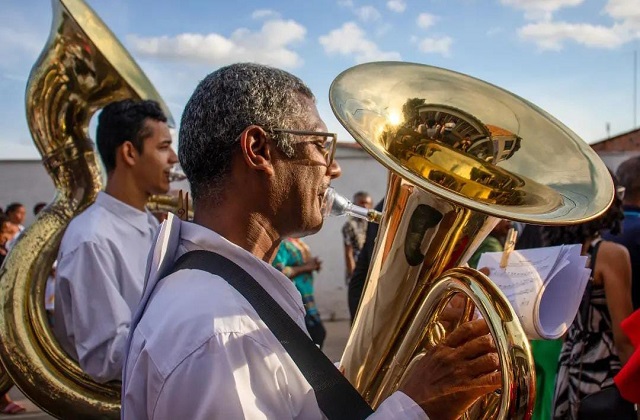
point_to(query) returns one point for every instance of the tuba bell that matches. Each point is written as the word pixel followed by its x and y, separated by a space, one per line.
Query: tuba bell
pixel 82 68
pixel 461 154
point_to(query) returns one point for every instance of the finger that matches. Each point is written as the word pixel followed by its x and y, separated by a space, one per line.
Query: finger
pixel 486 383
pixel 467 332
pixel 487 363
pixel 485 270
pixel 476 347
pixel 478 386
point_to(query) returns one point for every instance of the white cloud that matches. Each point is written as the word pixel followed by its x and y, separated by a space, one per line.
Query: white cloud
pixel 627 13
pixel 265 14
pixel 540 9
pixel 367 13
pixel 551 35
pixel 270 45
pixel 397 6
pixel 364 13
pixel 426 20
pixel 436 45
pixel 351 40
pixel 623 9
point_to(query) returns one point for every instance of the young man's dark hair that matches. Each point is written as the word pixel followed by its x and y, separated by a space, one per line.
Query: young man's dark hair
pixel 124 121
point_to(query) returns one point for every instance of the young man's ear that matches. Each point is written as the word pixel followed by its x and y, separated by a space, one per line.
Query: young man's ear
pixel 128 153
pixel 256 149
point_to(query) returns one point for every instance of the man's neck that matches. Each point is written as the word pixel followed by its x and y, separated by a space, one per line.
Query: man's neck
pixel 249 230
pixel 123 189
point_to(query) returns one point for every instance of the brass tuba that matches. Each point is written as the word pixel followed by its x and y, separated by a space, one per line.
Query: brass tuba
pixel 461 154
pixel 81 69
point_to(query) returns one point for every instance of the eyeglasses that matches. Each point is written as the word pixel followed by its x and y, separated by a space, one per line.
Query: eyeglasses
pixel 620 192
pixel 329 145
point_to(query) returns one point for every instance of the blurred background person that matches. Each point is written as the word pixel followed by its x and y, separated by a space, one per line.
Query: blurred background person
pixel 354 232
pixel 628 175
pixel 16 214
pixel 595 348
pixel 359 276
pixel 295 261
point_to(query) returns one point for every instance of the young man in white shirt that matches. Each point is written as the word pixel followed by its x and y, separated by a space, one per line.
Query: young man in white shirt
pixel 198 349
pixel 103 254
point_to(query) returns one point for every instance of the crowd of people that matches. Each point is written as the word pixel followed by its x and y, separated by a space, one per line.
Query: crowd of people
pixel 175 310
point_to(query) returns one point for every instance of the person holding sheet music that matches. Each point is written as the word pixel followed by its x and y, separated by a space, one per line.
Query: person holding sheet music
pixel 595 347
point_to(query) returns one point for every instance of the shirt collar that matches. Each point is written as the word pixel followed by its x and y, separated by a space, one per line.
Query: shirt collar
pixel 176 237
pixel 198 237
pixel 141 220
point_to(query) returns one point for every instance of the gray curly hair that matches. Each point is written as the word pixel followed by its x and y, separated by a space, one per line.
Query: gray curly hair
pixel 222 106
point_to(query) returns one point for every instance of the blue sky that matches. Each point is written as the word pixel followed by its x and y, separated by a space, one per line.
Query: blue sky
pixel 573 58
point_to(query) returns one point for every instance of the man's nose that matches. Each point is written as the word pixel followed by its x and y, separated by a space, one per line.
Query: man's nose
pixel 173 159
pixel 334 170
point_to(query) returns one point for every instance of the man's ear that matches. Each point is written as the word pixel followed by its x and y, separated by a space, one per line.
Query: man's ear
pixel 128 153
pixel 256 149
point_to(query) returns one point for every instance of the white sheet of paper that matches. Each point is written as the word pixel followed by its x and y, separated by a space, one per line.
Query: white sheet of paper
pixel 543 285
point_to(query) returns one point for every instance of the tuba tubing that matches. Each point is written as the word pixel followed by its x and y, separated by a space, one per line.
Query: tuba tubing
pixel 82 68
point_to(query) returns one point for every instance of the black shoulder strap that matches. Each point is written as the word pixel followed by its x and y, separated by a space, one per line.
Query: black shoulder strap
pixel 586 298
pixel 337 398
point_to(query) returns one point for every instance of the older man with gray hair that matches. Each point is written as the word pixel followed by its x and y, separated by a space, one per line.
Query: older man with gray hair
pixel 259 161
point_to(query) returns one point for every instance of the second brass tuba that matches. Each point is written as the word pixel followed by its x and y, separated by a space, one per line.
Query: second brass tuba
pixel 82 68
pixel 461 154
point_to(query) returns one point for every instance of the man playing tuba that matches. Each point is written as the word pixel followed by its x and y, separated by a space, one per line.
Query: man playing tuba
pixel 259 162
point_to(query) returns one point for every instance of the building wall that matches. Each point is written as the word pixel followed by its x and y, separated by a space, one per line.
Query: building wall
pixel 617 149
pixel 614 159
pixel 27 182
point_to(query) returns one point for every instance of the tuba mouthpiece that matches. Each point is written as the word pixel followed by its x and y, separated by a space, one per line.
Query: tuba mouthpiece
pixel 335 204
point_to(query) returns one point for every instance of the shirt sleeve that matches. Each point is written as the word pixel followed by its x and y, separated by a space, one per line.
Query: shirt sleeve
pixel 399 406
pixel 96 316
pixel 231 376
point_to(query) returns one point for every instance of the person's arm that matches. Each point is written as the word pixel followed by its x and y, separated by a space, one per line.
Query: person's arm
pixel 283 262
pixel 614 265
pixel 349 260
pixel 97 318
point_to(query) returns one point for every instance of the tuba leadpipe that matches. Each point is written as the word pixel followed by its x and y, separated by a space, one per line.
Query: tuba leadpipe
pixel 461 154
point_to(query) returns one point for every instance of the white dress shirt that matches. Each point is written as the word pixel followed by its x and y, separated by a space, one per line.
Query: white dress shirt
pixel 99 281
pixel 198 349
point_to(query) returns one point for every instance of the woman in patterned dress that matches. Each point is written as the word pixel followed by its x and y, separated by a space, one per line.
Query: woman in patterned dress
pixel 593 352
pixel 295 261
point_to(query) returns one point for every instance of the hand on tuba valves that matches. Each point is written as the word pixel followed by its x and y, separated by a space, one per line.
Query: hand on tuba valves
pixel 451 376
